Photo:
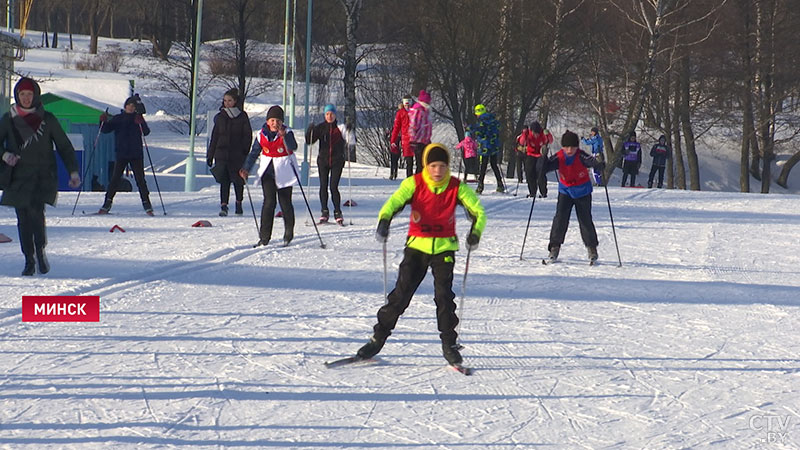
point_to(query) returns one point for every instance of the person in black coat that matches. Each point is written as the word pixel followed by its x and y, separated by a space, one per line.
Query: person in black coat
pixel 230 144
pixel 332 139
pixel 28 134
pixel 129 128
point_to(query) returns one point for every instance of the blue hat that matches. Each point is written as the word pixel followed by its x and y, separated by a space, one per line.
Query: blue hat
pixel 329 107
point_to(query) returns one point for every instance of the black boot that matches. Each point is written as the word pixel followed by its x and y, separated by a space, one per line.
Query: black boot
pixel 223 210
pixel 554 250
pixel 371 348
pixel 41 257
pixel 451 353
pixel 592 254
pixel 239 210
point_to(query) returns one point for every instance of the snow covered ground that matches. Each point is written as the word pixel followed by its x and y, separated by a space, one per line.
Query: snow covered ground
pixel 206 342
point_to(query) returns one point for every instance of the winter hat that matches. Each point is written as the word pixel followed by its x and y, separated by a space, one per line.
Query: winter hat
pixel 129 101
pixel 596 131
pixel 424 96
pixel 480 109
pixel 275 112
pixel 25 84
pixel 632 135
pixel 536 127
pixel 329 107
pixel 662 138
pixel 436 152
pixel 569 139
pixel 467 134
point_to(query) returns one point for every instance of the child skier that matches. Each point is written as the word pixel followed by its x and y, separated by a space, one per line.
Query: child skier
pixel 537 140
pixel 660 152
pixel 631 159
pixel 469 149
pixel 432 242
pixel 574 189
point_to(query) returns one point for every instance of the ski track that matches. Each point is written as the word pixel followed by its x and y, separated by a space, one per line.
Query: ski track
pixel 559 374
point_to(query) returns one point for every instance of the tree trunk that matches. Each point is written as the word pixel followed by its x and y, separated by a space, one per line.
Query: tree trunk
pixel 353 10
pixel 686 125
pixel 783 179
pixel 747 135
pixel 505 105
pixel 677 150
pixel 666 113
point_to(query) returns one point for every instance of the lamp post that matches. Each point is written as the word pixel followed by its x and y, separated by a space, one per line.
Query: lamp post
pixel 189 178
pixel 305 169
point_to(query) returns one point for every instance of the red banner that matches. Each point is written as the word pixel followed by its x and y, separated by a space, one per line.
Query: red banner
pixel 57 308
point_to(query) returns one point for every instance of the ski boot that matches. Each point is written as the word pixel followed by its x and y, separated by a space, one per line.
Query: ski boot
pixel 105 208
pixel 451 353
pixel 338 216
pixel 148 208
pixel 500 189
pixel 479 189
pixel 592 254
pixel 324 217
pixel 371 348
pixel 554 250
pixel 239 210
pixel 287 238
pixel 223 210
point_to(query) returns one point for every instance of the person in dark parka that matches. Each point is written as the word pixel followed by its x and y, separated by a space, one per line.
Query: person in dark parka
pixel 229 146
pixel 129 128
pixel 29 133
pixel 660 152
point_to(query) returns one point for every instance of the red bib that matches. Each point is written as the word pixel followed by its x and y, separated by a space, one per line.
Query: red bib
pixel 273 149
pixel 433 215
pixel 574 174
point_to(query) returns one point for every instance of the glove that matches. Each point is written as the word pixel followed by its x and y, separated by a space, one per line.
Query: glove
pixel 138 119
pixel 243 173
pixel 103 117
pixel 472 241
pixel 382 234
pixel 74 180
pixel 394 147
pixel 10 158
pixel 209 162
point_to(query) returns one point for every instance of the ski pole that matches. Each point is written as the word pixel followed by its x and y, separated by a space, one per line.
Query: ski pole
pixel 321 243
pixel 88 164
pixel 152 167
pixel 385 276
pixel 350 187
pixel 613 229
pixel 464 291
pixel 247 186
pixel 533 202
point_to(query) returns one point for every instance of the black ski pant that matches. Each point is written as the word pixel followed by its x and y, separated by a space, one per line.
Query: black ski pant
pixel 394 160
pixel 409 165
pixel 653 170
pixel 629 168
pixel 137 166
pixel 534 175
pixel 31 230
pixel 485 160
pixel 520 165
pixel 284 196
pixel 412 271
pixel 583 209
pixel 225 187
pixel 335 174
pixel 418 149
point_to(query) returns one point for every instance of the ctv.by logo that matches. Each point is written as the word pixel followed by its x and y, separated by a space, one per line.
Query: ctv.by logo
pixel 775 427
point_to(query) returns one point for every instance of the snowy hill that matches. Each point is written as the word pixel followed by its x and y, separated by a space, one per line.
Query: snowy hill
pixel 205 342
